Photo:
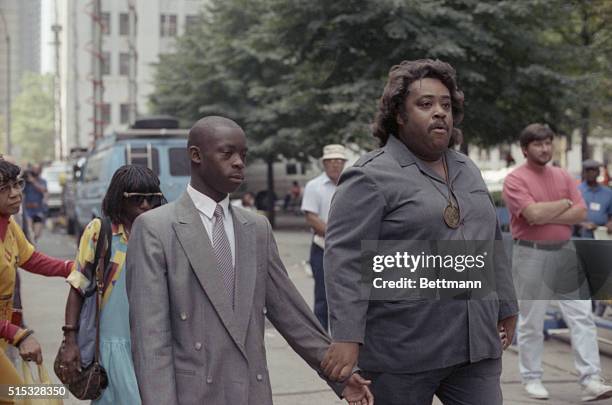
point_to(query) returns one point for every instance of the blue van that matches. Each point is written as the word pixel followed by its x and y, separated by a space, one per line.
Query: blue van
pixel 157 143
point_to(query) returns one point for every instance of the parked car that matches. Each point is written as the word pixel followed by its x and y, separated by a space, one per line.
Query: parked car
pixel 77 158
pixel 55 175
pixel 155 142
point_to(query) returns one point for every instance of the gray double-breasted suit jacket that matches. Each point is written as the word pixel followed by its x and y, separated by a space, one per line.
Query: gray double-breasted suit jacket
pixel 189 346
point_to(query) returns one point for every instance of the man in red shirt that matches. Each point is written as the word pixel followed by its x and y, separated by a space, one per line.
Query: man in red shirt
pixel 544 204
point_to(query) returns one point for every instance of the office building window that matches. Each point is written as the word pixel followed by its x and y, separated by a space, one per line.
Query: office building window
pixel 191 22
pixel 124 24
pixel 124 64
pixel 105 20
pixel 106 63
pixel 125 113
pixel 105 114
pixel 167 25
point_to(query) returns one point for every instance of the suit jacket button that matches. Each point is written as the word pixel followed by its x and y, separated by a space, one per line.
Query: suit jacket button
pixel 209 380
pixel 259 377
pixel 198 345
pixel 183 316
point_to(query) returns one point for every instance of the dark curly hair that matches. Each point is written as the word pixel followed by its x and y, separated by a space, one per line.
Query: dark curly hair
pixel 8 171
pixel 396 90
pixel 129 179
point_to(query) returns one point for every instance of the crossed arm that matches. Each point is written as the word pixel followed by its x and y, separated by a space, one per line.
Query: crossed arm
pixel 565 211
pixel 561 212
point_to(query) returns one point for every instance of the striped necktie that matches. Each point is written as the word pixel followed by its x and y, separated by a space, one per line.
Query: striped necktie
pixel 223 252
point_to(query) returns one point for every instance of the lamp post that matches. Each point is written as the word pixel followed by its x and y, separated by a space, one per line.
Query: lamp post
pixel 8 84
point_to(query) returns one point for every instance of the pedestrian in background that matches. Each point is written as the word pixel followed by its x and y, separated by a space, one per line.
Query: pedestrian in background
pixel 132 191
pixel 293 198
pixel 247 201
pixel 544 204
pixel 35 194
pixel 598 199
pixel 316 201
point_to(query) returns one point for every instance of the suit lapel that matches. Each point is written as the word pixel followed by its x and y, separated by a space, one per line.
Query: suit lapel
pixel 246 271
pixel 195 242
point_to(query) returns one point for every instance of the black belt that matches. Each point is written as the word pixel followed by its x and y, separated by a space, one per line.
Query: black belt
pixel 540 245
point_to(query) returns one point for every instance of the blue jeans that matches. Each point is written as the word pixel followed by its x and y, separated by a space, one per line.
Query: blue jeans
pixel 320 299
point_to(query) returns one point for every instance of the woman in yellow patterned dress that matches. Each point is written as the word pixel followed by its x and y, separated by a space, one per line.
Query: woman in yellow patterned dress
pixel 16 251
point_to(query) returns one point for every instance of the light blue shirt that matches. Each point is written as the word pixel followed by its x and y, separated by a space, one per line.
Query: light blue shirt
pixel 598 201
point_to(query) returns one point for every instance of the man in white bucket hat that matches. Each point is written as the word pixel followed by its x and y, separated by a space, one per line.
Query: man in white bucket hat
pixel 317 198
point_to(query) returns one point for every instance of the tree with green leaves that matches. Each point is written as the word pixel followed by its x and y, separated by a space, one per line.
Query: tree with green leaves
pixel 578 34
pixel 300 74
pixel 32 118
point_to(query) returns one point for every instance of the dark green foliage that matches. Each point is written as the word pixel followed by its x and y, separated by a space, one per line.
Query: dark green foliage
pixel 298 74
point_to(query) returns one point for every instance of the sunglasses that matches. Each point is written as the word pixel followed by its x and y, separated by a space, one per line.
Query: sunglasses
pixel 153 199
pixel 17 185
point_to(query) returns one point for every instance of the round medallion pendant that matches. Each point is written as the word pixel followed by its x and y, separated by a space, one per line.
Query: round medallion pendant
pixel 451 216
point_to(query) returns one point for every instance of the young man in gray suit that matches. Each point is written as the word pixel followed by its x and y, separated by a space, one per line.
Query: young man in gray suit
pixel 201 278
pixel 415 188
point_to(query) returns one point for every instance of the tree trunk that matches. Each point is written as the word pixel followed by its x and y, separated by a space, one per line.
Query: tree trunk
pixel 270 194
pixel 584 132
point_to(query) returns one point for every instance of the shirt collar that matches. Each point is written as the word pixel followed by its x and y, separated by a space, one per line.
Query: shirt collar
pixel 205 204
pixel 405 157
pixel 586 186
pixel 326 178
pixel 119 229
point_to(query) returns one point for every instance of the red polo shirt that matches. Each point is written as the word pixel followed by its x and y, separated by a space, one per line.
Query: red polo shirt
pixel 530 184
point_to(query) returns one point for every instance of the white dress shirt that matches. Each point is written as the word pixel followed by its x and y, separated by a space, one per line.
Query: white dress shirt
pixel 206 208
pixel 318 195
pixel 317 198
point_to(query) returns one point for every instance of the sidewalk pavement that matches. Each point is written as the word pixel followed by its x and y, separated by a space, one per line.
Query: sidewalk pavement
pixel 293 382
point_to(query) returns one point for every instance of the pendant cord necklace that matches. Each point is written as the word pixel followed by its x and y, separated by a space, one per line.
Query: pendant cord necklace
pixel 451 213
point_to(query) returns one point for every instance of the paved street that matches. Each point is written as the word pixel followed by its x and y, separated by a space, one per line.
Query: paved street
pixel 293 383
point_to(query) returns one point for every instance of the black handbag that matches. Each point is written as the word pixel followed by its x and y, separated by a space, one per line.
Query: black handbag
pixel 92 379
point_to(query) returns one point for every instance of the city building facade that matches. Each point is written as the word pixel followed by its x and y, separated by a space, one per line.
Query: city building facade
pixel 128 55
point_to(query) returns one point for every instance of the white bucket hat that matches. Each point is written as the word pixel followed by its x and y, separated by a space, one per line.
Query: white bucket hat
pixel 334 151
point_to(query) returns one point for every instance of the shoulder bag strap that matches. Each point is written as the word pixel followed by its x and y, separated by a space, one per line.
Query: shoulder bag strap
pixel 101 252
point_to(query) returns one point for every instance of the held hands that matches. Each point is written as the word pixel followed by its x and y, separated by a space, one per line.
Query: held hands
pixel 357 392
pixel 506 327
pixel 30 350
pixel 339 360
